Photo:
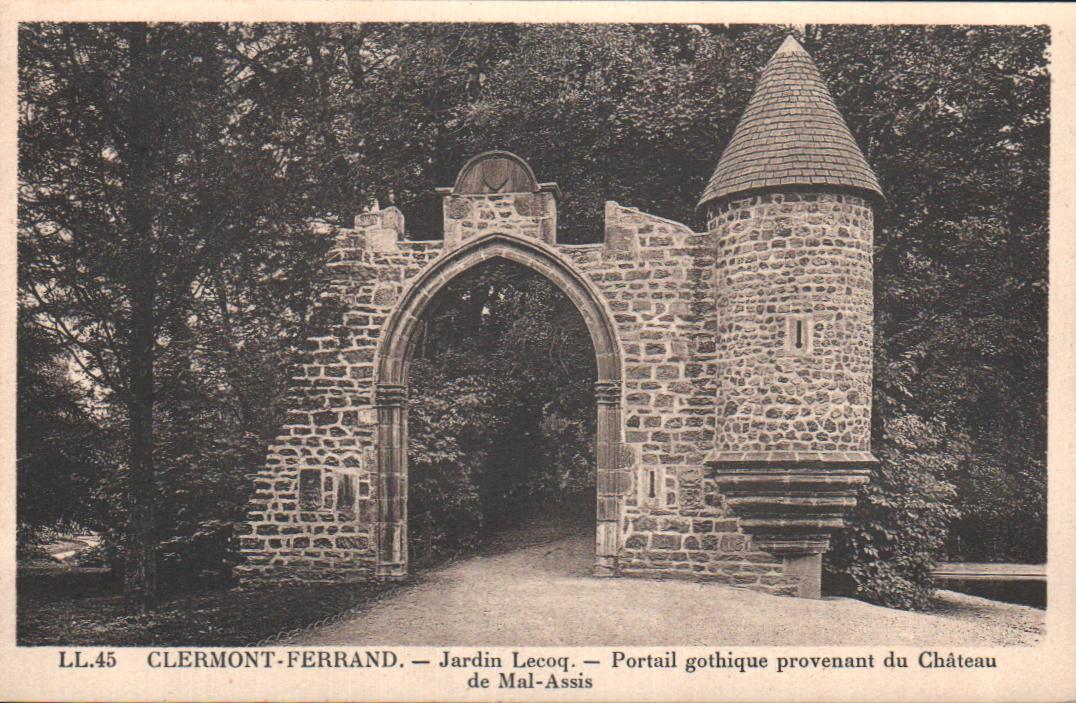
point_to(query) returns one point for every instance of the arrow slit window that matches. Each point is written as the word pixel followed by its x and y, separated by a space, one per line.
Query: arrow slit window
pixel 799 335
pixel 652 487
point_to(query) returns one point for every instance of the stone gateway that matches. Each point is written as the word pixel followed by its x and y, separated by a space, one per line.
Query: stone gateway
pixel 734 365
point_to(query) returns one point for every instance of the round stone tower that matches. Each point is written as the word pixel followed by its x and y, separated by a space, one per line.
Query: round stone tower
pixel 790 207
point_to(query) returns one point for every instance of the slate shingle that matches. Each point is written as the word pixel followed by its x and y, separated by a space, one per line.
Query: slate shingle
pixel 790 134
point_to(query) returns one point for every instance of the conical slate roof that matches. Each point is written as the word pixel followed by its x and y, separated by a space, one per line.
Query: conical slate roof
pixel 791 134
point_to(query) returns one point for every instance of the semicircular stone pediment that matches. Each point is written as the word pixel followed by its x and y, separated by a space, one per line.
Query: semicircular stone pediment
pixel 495 172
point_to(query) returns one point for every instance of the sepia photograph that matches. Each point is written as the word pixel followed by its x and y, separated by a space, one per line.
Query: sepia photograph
pixel 507 334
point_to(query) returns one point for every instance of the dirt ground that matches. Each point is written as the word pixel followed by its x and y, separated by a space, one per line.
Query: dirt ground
pixel 543 595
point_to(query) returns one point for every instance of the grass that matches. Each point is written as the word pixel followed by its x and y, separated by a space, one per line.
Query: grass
pixel 85 607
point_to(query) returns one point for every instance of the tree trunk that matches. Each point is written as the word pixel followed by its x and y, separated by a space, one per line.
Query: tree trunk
pixel 140 578
pixel 141 566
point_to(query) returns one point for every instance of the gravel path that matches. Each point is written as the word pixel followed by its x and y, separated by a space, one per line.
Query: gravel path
pixel 543 595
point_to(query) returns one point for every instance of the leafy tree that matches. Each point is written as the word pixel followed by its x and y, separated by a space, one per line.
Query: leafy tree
pixel 61 446
pixel 955 120
pixel 143 166
pixel 635 113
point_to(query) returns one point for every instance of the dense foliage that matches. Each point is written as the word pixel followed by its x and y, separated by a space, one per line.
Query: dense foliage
pixel 955 121
pixel 162 245
pixel 62 449
pixel 167 173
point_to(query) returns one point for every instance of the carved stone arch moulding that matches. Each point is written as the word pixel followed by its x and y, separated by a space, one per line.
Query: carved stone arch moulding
pixel 391 379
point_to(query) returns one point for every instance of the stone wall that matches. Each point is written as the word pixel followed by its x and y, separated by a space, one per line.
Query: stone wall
pixel 795 305
pixel 314 515
pixel 658 278
pixel 531 215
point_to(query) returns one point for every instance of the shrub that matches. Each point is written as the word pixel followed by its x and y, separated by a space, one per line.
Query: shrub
pixel 450 424
pixel 898 527
pixel 205 556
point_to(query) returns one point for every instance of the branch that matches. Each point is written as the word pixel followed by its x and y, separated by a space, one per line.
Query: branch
pixel 105 379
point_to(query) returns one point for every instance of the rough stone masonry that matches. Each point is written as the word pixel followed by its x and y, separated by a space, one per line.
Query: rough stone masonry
pixel 734 365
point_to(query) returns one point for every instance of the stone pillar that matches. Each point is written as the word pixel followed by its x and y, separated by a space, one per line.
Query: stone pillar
pixel 790 207
pixel 795 315
pixel 391 402
pixel 613 480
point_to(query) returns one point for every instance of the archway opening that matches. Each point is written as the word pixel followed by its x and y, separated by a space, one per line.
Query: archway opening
pixel 399 339
pixel 502 419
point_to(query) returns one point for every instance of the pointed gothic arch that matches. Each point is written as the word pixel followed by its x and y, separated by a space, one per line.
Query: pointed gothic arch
pixel 391 378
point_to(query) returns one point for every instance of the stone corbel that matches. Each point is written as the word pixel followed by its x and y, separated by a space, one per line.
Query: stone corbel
pixel 789 502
